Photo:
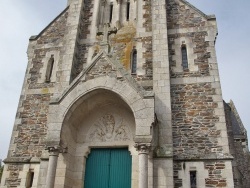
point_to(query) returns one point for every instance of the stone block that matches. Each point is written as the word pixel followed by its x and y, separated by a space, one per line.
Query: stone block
pixel 143 131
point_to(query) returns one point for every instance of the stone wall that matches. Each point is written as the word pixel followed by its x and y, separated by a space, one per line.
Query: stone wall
pixel 182 15
pixel 215 174
pixel 55 31
pixel 238 146
pixel 34 104
pixel 210 173
pixel 121 42
pixel 194 131
pixel 147 65
pixel 146 42
pixel 199 51
pixel 198 121
pixel 85 19
pixel 177 180
pixel 242 163
pixel 30 129
pixel 82 46
pixel 187 102
pixel 13 180
pixel 191 26
pixel 197 105
pixel 102 68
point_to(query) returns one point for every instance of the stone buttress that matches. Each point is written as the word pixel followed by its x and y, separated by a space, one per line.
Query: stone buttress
pixel 200 139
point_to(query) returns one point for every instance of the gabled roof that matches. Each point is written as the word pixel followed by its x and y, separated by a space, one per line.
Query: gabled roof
pixel 35 37
pixel 208 17
pixel 237 125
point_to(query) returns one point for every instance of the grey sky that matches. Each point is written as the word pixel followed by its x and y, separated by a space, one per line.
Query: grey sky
pixel 21 19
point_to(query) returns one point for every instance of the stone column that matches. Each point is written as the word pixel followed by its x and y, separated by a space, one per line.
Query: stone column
pixel 143 150
pixel 51 173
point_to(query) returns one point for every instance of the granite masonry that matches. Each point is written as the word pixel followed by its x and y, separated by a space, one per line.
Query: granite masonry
pixel 138 76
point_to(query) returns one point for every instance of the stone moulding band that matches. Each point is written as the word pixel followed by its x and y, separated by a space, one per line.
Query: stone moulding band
pixel 17 160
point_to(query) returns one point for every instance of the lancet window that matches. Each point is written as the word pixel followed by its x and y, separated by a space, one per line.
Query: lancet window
pixel 134 61
pixel 111 12
pixel 128 10
pixel 193 181
pixel 184 57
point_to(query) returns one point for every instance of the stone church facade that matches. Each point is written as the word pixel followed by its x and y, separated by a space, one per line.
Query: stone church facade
pixel 134 79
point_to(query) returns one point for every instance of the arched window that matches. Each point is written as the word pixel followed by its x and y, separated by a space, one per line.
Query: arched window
pixel 193 179
pixel 49 69
pixel 111 12
pixel 30 178
pixel 134 61
pixel 128 10
pixel 184 57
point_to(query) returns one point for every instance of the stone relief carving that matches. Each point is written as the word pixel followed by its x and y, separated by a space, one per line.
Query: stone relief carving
pixel 108 128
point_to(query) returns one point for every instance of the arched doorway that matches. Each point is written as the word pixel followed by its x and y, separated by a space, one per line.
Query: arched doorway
pixel 99 124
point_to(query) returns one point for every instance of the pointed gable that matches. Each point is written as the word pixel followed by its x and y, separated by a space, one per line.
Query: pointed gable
pixel 54 31
pixel 182 14
pixel 238 127
pixel 102 66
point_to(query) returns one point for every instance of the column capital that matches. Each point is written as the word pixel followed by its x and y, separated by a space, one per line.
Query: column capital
pixel 119 1
pixel 55 150
pixel 143 148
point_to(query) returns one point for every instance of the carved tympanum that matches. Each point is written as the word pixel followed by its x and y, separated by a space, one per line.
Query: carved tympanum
pixel 108 128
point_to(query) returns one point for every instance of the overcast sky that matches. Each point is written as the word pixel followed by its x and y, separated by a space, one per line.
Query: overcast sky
pixel 20 19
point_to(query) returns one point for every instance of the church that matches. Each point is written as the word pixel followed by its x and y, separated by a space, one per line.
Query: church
pixel 126 94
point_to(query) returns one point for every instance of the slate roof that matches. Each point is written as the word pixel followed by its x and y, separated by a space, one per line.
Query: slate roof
pixel 237 125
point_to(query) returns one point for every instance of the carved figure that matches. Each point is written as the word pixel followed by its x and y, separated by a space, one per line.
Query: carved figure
pixel 107 129
pixel 49 69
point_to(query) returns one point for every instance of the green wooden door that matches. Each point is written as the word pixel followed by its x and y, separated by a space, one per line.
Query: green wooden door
pixel 108 168
pixel 97 169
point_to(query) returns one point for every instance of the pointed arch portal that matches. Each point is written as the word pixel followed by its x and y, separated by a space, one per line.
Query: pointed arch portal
pixel 102 113
pixel 99 129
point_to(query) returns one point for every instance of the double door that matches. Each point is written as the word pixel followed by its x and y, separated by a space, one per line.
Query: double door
pixel 108 168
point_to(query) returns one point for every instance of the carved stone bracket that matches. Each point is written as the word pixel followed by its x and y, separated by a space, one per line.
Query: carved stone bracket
pixel 143 148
